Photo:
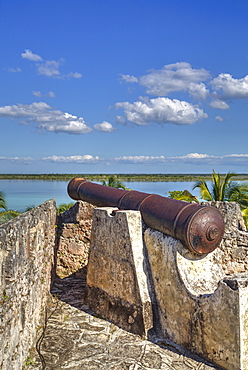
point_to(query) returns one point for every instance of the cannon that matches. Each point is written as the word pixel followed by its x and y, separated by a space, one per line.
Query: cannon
pixel 199 228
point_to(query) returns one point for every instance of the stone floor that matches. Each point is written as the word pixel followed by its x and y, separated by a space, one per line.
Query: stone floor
pixel 73 338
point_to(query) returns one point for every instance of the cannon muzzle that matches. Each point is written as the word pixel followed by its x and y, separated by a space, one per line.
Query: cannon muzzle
pixel 199 228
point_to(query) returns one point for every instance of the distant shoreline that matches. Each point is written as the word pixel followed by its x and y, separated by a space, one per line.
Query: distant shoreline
pixel 121 177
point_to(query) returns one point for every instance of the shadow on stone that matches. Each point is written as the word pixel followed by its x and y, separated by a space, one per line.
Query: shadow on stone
pixel 71 289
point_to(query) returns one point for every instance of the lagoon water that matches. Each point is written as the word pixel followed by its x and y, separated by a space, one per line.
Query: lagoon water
pixel 21 194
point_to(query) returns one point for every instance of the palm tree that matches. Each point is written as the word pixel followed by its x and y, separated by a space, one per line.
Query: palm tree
pixel 245 216
pixel 6 214
pixel 64 207
pixel 113 182
pixel 183 195
pixel 3 201
pixel 223 189
pixel 29 208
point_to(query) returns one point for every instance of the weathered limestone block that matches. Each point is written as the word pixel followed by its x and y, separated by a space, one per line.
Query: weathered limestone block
pixel 26 264
pixel 117 287
pixel 73 238
pixel 200 302
pixel 233 250
pixel 200 308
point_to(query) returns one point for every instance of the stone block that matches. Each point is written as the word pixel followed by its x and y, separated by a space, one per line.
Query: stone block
pixel 26 261
pixel 117 287
pixel 200 308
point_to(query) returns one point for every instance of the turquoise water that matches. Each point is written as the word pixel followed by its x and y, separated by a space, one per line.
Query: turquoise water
pixel 21 194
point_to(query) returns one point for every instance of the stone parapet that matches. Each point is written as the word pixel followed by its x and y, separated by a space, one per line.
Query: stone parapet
pixel 73 238
pixel 117 286
pixel 199 303
pixel 26 263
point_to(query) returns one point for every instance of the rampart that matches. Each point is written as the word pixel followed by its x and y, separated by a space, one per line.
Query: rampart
pixel 26 267
pixel 138 278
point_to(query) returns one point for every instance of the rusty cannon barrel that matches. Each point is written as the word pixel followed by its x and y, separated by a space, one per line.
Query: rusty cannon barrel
pixel 199 228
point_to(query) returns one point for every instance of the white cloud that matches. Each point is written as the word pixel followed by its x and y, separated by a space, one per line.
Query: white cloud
pixel 230 87
pixel 161 110
pixel 104 127
pixel 57 121
pixel 30 56
pixel 46 118
pixel 194 156
pixel 14 70
pixel 87 158
pixel 49 68
pixel 37 93
pixel 219 104
pixel 50 94
pixel 75 75
pixel 219 118
pixel 128 78
pixel 20 110
pixel 191 158
pixel 172 77
pixel 198 91
pixel 142 159
pixel 213 160
pixel 197 159
pixel 19 160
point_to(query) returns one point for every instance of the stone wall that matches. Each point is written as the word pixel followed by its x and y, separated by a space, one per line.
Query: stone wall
pixel 73 238
pixel 199 303
pixel 116 279
pixel 137 277
pixel 26 264
pixel 204 306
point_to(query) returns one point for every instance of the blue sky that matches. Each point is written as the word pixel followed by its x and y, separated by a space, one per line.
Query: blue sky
pixel 116 86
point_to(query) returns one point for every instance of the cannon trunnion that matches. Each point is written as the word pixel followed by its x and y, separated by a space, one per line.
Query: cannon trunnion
pixel 199 228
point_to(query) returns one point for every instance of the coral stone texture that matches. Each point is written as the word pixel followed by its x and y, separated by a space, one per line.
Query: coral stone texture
pixel 198 303
pixel 26 250
pixel 202 303
pixel 189 311
pixel 73 238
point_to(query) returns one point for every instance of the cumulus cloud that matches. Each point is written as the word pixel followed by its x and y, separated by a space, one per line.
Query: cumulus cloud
pixel 197 159
pixel 87 158
pixel 104 127
pixel 219 118
pixel 18 160
pixel 50 94
pixel 46 118
pixel 75 75
pixel 219 104
pixel 172 77
pixel 31 56
pixel 142 159
pixel 37 93
pixel 128 78
pixel 195 156
pixel 230 87
pixel 191 158
pixel 20 110
pixel 161 110
pixel 213 160
pixel 14 70
pixel 49 68
pixel 198 91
